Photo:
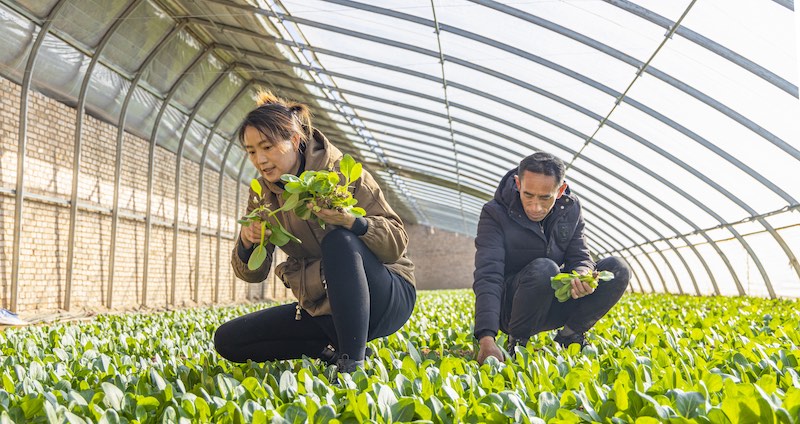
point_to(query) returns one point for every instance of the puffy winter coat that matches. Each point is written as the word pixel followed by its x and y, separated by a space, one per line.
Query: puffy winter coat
pixel 507 241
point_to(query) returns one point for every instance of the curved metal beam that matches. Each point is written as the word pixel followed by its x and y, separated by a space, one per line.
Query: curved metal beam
pixel 21 152
pixel 680 85
pixel 202 164
pixel 151 156
pixel 649 258
pixel 219 218
pixel 412 48
pixel 80 109
pixel 624 158
pixel 708 44
pixel 652 242
pixel 610 248
pixel 237 230
pixel 178 162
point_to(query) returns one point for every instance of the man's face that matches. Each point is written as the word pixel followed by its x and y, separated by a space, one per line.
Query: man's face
pixel 538 193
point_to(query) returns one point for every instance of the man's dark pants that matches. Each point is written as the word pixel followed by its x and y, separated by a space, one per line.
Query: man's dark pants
pixel 530 305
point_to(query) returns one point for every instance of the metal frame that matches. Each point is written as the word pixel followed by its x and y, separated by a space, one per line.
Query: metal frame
pixel 81 110
pixel 336 101
pixel 578 108
pixel 21 153
pixel 151 156
pixel 198 241
pixel 708 44
pixel 117 180
pixel 178 161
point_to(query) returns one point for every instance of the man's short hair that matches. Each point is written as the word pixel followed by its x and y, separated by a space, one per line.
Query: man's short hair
pixel 543 163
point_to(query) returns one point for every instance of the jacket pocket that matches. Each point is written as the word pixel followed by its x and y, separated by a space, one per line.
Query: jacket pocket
pixel 304 276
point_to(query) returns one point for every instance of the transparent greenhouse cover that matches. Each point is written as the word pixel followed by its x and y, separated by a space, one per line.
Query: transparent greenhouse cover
pixel 678 119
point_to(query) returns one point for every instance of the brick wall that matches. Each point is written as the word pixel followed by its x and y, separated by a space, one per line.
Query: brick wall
pixel 45 224
pixel 442 260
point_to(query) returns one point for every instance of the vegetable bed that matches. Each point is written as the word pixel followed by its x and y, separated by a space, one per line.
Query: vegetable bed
pixel 654 358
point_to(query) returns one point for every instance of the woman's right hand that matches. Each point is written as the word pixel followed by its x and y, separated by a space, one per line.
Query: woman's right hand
pixel 251 234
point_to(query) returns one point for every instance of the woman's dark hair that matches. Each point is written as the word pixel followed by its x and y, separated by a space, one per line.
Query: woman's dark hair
pixel 543 163
pixel 277 119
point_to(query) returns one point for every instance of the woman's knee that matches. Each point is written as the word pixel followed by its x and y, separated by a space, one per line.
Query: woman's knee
pixel 223 342
pixel 338 239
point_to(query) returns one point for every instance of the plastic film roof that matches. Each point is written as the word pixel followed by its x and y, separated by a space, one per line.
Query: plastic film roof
pixel 679 120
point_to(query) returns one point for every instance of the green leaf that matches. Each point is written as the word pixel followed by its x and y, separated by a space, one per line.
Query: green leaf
pixel 295 414
pixel 792 401
pixel 324 414
pixel 687 403
pixel 258 256
pixel 359 212
pixel 355 173
pixel 32 405
pixel 291 202
pixel 110 416
pixel 548 405
pixel 333 179
pixel 605 275
pixel 294 187
pixel 278 237
pixel 346 166
pixel 113 396
pixel 288 386
pixel 255 186
pixel 403 410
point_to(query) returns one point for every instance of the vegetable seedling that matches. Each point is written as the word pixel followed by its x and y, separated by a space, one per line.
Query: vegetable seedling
pixel 323 191
pixel 265 216
pixel 562 282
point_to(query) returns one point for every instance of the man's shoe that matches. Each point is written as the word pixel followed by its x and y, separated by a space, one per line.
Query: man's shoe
pixel 575 338
pixel 513 342
pixel 330 356
pixel 346 365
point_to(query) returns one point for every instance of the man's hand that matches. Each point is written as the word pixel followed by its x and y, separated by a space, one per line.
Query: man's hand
pixel 579 288
pixel 488 347
pixel 334 217
pixel 251 234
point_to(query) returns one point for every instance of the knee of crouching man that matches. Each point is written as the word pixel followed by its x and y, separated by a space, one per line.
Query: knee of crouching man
pixel 622 273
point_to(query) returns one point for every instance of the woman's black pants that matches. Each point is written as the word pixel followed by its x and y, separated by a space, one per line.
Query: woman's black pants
pixel 367 301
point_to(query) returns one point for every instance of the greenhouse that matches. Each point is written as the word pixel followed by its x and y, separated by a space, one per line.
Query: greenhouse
pixel 148 206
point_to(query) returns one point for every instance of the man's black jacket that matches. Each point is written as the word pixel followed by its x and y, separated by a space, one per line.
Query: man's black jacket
pixel 507 241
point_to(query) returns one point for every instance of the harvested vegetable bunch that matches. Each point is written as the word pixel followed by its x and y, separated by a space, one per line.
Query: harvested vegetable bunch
pixel 322 189
pixel 266 217
pixel 562 283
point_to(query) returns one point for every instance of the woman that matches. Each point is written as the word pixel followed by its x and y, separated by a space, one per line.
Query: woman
pixel 352 279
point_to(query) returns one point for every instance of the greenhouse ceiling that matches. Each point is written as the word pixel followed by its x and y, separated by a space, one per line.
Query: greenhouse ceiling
pixel 678 119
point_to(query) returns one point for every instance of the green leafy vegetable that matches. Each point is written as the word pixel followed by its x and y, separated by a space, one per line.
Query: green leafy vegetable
pixel 265 216
pixel 562 282
pixel 322 189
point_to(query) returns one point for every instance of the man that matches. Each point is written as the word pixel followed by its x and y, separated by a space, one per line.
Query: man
pixel 529 232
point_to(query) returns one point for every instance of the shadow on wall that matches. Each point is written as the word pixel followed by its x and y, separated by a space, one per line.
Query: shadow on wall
pixel 442 260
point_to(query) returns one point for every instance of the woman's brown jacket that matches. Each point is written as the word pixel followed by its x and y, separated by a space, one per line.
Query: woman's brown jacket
pixel 302 271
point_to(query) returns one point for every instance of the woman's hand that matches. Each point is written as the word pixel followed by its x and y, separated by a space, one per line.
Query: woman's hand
pixel 334 217
pixel 251 234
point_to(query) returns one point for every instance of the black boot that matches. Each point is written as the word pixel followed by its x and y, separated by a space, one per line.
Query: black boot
pixel 574 338
pixel 513 342
pixel 330 356
pixel 346 365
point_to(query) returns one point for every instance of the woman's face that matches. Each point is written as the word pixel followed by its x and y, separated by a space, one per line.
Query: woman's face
pixel 272 158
